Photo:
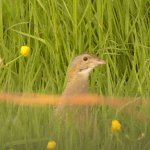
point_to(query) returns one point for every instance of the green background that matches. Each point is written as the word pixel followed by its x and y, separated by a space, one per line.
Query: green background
pixel 57 30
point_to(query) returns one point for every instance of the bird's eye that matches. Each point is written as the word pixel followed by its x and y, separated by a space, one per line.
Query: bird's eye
pixel 85 58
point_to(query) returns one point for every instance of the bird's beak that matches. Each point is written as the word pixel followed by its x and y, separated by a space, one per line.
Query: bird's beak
pixel 99 61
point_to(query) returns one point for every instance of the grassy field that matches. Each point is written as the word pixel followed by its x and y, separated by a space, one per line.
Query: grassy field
pixel 57 30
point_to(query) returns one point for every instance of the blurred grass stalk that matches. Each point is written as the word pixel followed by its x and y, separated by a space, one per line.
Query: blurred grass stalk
pixel 1 22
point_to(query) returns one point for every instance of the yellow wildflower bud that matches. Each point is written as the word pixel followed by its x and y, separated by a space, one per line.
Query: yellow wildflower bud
pixel 25 50
pixel 51 145
pixel 115 126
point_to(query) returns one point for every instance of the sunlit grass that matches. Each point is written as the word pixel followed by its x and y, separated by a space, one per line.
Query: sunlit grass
pixel 118 31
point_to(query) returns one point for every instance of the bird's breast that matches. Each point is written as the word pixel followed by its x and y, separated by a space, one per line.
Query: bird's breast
pixel 76 86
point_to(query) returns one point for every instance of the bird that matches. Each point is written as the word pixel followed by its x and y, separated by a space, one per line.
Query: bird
pixel 78 75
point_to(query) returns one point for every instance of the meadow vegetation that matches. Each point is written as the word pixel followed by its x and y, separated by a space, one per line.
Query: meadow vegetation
pixel 57 30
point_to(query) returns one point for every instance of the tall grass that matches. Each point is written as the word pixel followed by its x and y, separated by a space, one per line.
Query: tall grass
pixel 116 30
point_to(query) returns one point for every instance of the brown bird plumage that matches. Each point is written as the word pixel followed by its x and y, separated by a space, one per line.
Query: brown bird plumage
pixel 78 75
pixel 79 71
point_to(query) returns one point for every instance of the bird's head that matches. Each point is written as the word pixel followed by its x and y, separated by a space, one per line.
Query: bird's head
pixel 79 71
pixel 83 64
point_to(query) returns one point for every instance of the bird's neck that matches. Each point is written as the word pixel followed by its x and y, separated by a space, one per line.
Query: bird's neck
pixel 76 85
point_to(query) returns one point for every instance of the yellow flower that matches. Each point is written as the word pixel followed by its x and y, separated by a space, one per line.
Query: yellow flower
pixel 51 145
pixel 115 126
pixel 25 50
